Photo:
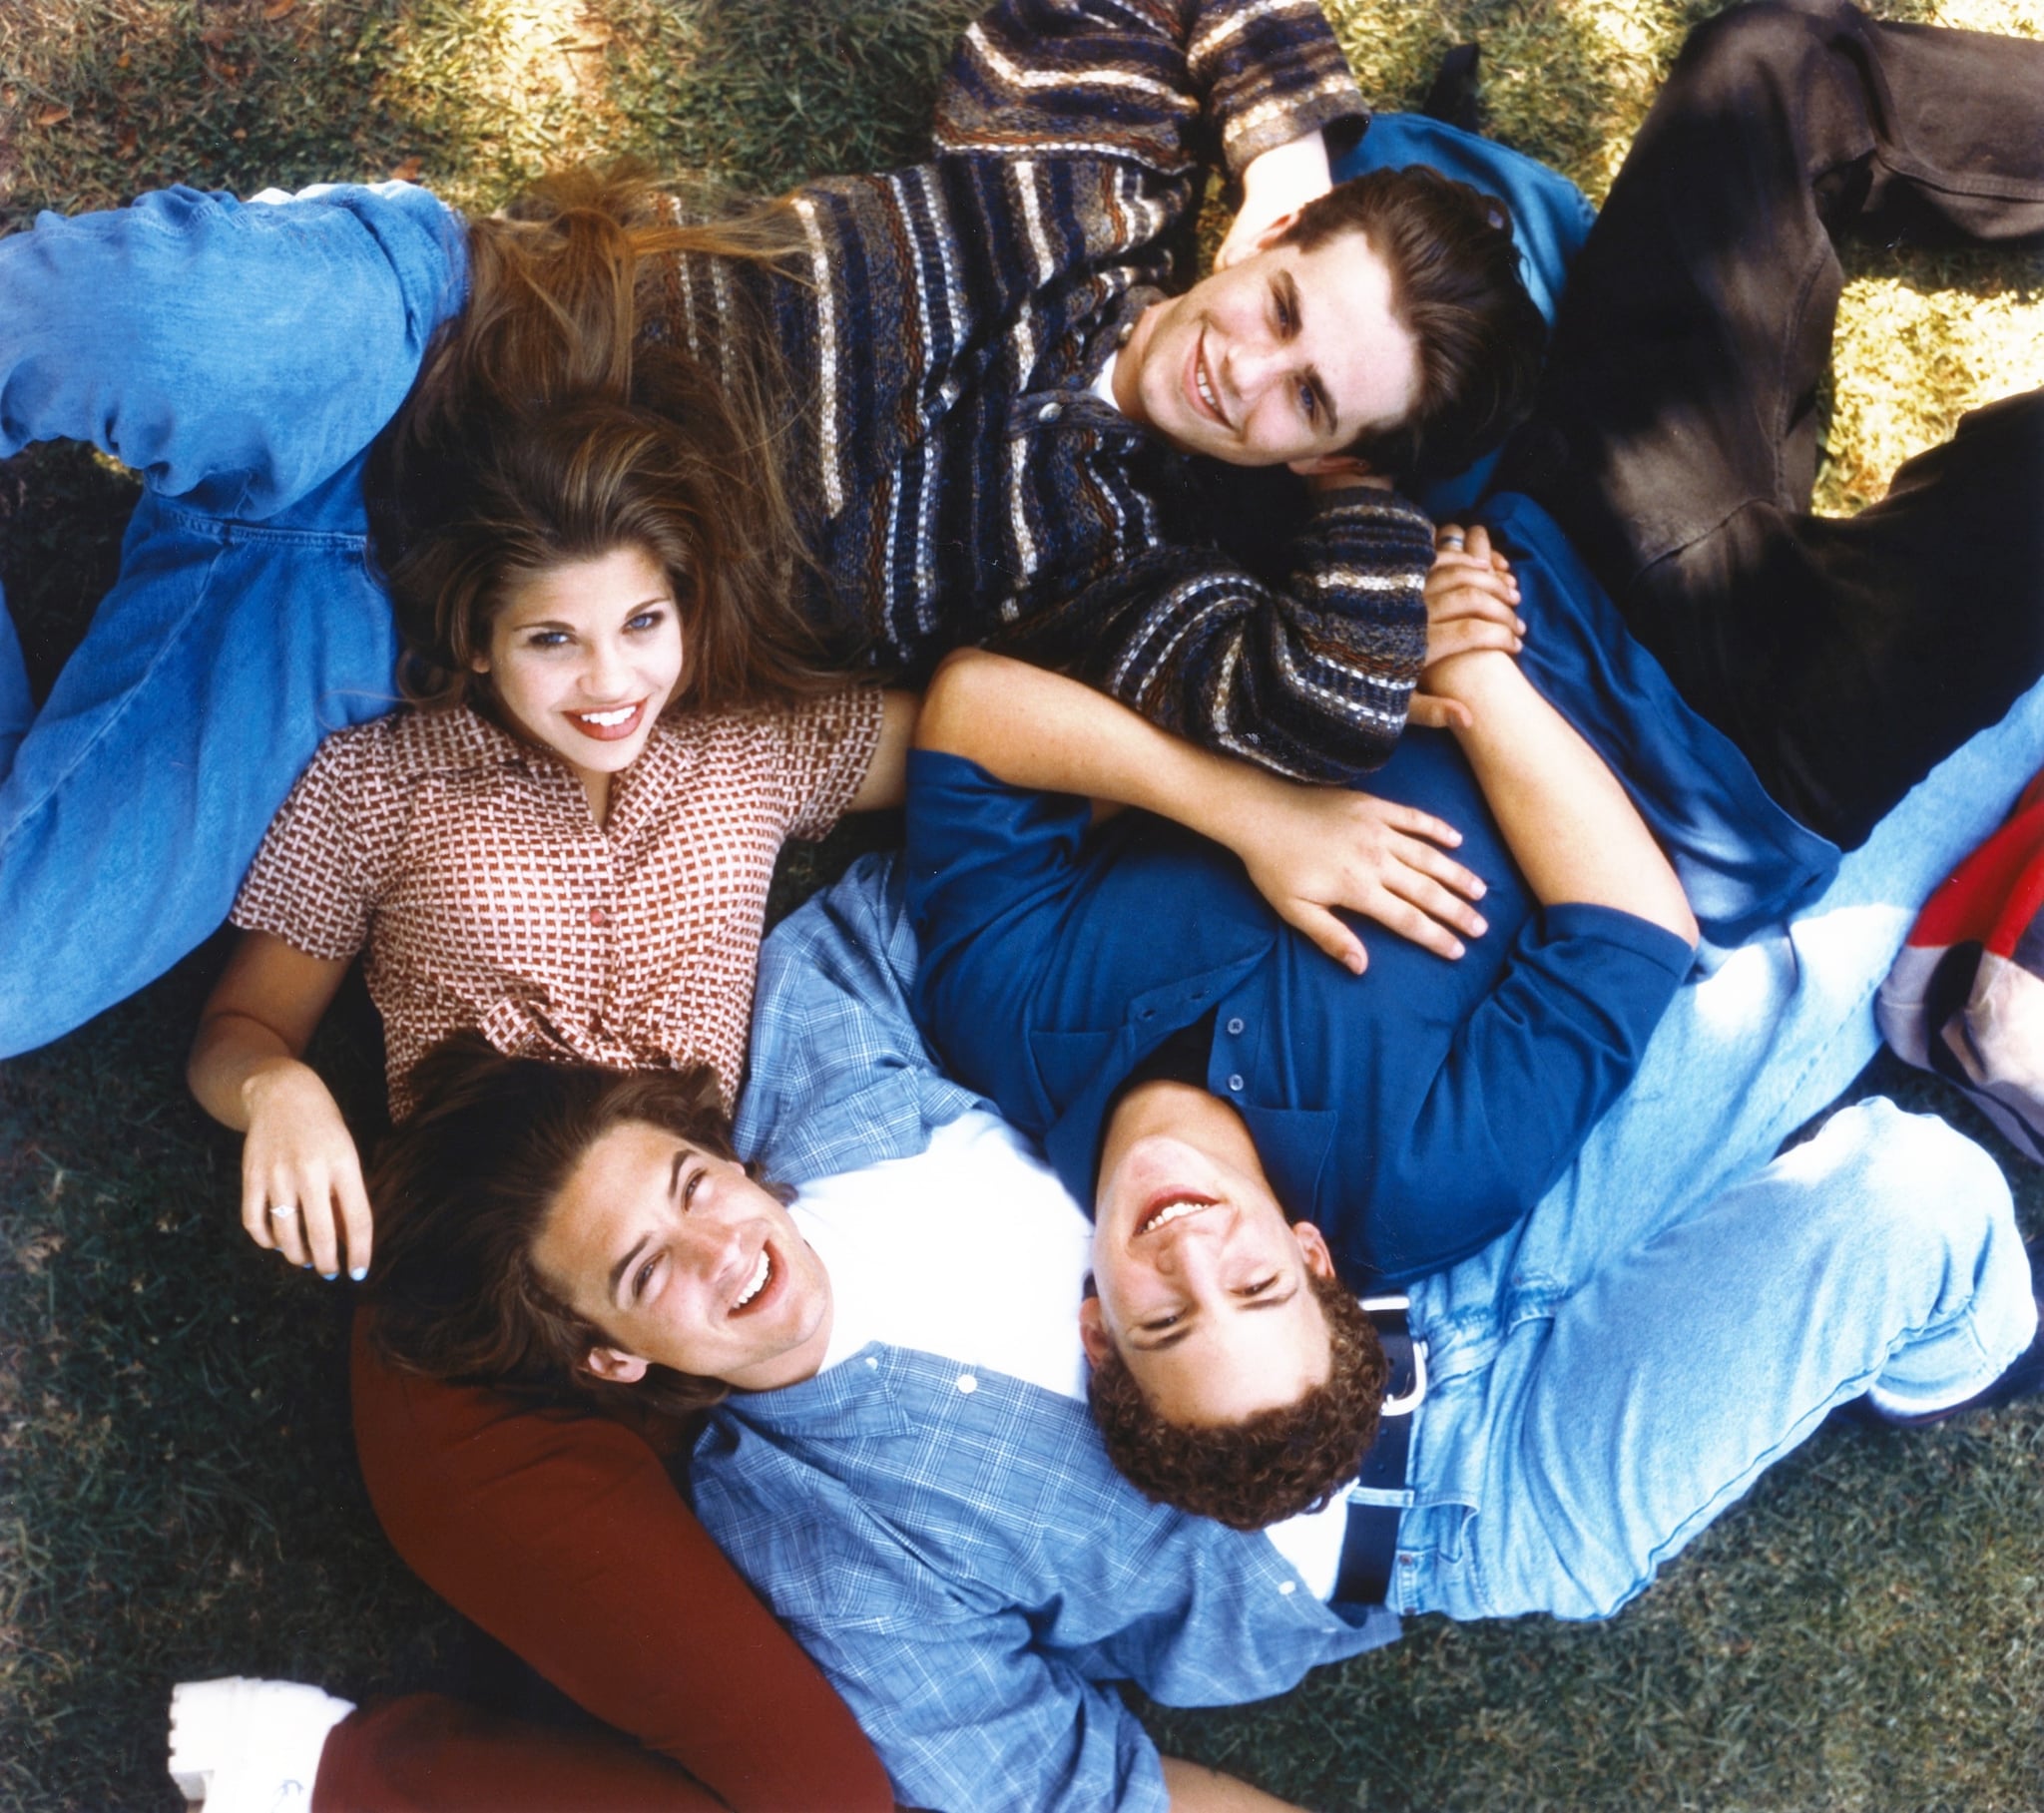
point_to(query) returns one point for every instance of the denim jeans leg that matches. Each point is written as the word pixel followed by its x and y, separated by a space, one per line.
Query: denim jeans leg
pixel 224 654
pixel 1778 1029
pixel 236 354
pixel 242 356
pixel 1611 1429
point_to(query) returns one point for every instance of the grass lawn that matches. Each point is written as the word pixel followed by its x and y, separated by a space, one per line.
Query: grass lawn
pixel 178 1492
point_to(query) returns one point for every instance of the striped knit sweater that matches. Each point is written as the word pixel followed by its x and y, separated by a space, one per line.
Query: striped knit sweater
pixel 960 481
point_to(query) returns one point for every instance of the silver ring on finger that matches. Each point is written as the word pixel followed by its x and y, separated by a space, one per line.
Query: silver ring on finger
pixel 1453 541
pixel 283 1211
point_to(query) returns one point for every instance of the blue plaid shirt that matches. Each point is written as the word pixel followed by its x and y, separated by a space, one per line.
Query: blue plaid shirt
pixel 955 1551
pixel 838 1076
pixel 961 1559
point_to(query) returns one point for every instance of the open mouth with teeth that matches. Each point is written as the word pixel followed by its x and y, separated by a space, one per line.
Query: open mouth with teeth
pixel 764 1273
pixel 613 723
pixel 1202 382
pixel 1171 1208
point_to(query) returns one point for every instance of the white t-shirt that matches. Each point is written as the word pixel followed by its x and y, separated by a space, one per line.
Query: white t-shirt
pixel 973 1249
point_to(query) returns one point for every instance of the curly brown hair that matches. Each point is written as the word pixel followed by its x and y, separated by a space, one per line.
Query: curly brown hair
pixel 1270 1465
pixel 462 1190
pixel 1455 286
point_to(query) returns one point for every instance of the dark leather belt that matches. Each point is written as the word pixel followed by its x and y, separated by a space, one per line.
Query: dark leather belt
pixel 1369 1547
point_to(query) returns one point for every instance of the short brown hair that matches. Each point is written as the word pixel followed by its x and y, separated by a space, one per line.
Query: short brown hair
pixel 462 1190
pixel 1269 1465
pixel 1455 286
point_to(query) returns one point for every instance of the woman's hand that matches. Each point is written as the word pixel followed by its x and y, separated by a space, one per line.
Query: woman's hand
pixel 1472 603
pixel 1310 850
pixel 301 1178
pixel 1275 186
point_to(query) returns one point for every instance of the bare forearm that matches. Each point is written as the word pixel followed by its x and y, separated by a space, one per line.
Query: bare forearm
pixel 1573 830
pixel 233 1059
pixel 1033 728
pixel 1198 1789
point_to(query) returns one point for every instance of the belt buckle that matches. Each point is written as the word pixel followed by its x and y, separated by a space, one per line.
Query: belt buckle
pixel 1398 1303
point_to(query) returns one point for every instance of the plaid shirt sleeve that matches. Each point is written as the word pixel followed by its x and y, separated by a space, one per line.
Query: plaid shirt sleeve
pixel 838 1076
pixel 313 882
pixel 1168 83
pixel 1041 1738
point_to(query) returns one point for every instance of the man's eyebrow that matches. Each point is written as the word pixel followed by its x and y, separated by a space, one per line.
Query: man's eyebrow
pixel 1324 403
pixel 1330 417
pixel 1169 1337
pixel 674 1182
pixel 624 1265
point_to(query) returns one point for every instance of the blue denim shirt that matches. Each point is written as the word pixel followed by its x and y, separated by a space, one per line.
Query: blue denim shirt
pixel 957 1553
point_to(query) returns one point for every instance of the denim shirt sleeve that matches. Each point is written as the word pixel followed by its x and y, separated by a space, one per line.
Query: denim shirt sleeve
pixel 838 1076
pixel 967 1712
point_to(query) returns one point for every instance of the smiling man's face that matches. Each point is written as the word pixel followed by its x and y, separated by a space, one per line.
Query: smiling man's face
pixel 1281 360
pixel 683 1261
pixel 1203 1285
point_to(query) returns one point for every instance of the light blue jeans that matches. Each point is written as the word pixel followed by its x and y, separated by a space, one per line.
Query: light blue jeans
pixel 241 356
pixel 1682 1308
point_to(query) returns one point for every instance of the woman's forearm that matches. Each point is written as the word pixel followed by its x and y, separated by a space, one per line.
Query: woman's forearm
pixel 1570 825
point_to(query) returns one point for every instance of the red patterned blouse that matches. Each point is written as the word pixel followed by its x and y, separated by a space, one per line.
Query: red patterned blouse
pixel 470 867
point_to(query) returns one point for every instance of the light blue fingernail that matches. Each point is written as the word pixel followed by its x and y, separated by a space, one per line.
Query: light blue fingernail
pixel 329 1277
pixel 358 1272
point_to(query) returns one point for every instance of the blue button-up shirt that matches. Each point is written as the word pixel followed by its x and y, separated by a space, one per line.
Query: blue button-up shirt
pixel 1413 1112
pixel 971 1574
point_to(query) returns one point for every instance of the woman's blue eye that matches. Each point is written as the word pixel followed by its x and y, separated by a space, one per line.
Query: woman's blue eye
pixel 644 1278
pixel 547 639
pixel 1308 404
pixel 647 619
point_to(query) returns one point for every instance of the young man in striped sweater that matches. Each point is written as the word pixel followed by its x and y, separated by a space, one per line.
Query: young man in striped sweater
pixel 1002 422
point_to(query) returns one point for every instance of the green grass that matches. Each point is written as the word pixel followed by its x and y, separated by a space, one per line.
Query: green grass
pixel 178 1492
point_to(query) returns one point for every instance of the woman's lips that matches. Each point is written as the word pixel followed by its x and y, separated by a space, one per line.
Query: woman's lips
pixel 607 725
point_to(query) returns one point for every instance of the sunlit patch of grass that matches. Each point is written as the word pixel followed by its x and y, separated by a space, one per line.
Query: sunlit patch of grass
pixel 501 91
pixel 1908 361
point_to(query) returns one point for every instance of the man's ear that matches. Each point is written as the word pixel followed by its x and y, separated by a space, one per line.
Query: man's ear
pixel 1351 468
pixel 614 1365
pixel 1093 1335
pixel 1276 230
pixel 1319 1260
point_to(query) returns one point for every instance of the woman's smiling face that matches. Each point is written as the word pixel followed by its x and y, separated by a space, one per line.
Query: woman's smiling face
pixel 585 655
pixel 683 1261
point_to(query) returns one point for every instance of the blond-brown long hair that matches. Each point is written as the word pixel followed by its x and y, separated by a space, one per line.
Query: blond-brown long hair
pixel 545 427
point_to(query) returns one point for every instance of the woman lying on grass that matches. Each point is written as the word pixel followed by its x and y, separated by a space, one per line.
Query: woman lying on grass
pixel 566 844
pixel 618 719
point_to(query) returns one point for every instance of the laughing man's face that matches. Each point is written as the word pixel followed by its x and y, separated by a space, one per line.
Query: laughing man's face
pixel 1281 360
pixel 686 1263
pixel 1203 1285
